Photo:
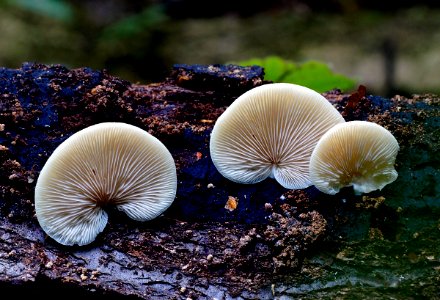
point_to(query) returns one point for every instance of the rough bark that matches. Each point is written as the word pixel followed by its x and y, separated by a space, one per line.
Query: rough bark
pixel 198 248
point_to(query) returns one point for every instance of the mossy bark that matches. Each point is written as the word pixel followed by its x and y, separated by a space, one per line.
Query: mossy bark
pixel 199 248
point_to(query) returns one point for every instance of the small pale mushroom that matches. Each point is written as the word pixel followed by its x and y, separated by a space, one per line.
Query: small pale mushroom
pixel 271 131
pixel 105 164
pixel 357 153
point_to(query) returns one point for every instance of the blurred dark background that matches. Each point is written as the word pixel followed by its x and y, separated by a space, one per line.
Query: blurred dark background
pixel 390 48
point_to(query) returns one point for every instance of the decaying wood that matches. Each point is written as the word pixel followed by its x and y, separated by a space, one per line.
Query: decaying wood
pixel 198 248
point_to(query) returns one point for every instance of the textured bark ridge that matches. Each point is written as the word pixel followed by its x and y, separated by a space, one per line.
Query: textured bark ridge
pixel 201 247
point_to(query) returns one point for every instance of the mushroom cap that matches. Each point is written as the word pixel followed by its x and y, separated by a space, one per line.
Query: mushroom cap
pixel 271 131
pixel 104 164
pixel 357 153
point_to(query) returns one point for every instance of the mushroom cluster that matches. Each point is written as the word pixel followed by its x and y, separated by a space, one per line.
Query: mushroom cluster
pixel 283 131
pixel 105 164
pixel 293 134
pixel 271 131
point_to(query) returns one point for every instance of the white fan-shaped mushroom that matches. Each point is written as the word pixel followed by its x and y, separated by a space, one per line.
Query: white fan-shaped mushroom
pixel 357 153
pixel 105 164
pixel 271 131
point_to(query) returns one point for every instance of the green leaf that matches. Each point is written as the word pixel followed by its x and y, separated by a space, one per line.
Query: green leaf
pixel 136 24
pixel 275 68
pixel 318 76
pixel 312 74
pixel 57 9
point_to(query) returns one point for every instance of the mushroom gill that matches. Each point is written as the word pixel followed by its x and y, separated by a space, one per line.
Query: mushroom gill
pixel 271 131
pixel 104 164
pixel 357 153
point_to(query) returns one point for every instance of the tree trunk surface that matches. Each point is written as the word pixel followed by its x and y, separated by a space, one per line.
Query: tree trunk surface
pixel 269 246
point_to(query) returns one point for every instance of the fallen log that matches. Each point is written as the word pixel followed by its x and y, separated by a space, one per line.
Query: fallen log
pixel 198 248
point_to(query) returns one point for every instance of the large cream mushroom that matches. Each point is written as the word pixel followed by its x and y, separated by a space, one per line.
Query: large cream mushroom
pixel 271 131
pixel 357 153
pixel 105 164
